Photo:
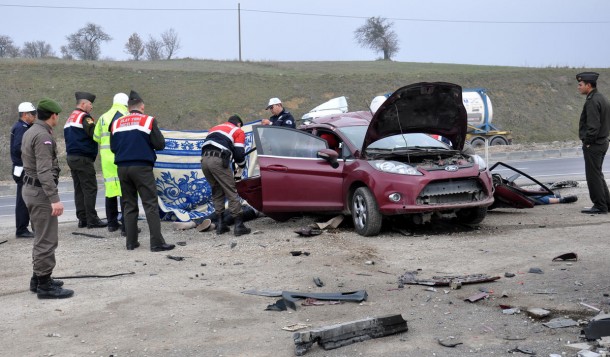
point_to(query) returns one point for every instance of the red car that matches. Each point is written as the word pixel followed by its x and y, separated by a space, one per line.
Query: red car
pixel 372 166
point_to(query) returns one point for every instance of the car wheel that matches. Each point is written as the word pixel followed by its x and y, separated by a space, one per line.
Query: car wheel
pixel 365 213
pixel 471 215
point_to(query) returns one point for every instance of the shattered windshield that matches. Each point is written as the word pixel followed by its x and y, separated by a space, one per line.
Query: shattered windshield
pixel 412 141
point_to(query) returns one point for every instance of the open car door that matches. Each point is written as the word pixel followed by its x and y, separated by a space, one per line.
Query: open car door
pixel 292 177
pixel 508 194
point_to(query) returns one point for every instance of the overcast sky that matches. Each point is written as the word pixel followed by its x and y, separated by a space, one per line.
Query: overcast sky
pixel 525 33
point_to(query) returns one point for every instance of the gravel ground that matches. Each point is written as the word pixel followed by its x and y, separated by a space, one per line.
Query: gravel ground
pixel 195 307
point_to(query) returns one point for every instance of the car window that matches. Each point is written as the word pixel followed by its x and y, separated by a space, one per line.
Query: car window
pixel 278 141
pixel 356 135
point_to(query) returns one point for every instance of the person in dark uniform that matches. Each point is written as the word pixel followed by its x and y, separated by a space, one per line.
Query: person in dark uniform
pixel 279 116
pixel 223 144
pixel 133 140
pixel 593 131
pixel 27 115
pixel 81 152
pixel 41 173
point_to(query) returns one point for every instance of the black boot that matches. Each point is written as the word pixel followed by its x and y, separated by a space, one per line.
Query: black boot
pixel 239 228
pixel 221 228
pixel 46 289
pixel 34 283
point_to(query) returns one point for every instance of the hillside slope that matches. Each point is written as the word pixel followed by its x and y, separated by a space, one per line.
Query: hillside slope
pixel 537 104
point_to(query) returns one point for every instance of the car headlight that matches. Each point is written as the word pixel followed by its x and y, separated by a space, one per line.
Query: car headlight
pixel 479 161
pixel 395 167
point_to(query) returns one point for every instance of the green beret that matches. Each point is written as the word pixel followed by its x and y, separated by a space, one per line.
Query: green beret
pixel 49 105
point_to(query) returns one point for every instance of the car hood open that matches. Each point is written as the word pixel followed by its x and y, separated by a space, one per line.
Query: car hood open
pixel 431 108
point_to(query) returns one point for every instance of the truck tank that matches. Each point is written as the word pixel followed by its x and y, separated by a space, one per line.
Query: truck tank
pixel 476 108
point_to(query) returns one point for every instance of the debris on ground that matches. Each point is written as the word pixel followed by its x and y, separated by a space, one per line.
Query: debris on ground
pixel 522 350
pixel 319 283
pixel 598 327
pixel 331 223
pixel 560 322
pixel 175 257
pixel 449 342
pixel 339 335
pixel 566 256
pixel 410 278
pixel 308 231
pixel 290 298
pixel 535 271
pixel 538 313
pixel 476 297
pixel 296 253
pixel 295 327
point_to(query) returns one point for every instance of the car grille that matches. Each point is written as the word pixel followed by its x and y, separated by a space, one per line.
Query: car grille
pixel 451 191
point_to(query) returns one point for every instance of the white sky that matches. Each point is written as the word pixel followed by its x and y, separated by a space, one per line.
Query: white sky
pixel 526 33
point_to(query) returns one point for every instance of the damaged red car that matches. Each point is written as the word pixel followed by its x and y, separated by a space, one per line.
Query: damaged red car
pixel 374 166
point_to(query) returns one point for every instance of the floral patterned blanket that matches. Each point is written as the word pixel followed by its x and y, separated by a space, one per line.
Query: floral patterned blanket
pixel 184 193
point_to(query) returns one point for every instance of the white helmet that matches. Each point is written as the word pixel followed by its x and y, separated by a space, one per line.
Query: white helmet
pixel 120 98
pixel 376 103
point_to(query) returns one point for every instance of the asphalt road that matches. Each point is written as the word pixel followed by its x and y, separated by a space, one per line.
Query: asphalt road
pixel 544 170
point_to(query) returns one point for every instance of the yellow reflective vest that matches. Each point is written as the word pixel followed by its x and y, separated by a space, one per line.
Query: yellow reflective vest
pixel 102 136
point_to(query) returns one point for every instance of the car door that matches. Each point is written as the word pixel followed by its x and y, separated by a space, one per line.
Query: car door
pixel 293 178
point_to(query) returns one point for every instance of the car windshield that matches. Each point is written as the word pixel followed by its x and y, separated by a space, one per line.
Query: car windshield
pixel 405 141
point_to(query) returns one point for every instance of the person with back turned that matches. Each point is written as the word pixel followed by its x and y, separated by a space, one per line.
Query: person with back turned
pixel 593 131
pixel 133 140
pixel 41 174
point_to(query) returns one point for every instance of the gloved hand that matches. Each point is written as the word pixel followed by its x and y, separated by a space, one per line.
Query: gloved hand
pixel 238 173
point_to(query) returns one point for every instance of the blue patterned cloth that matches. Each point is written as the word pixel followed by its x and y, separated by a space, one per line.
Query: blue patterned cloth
pixel 184 193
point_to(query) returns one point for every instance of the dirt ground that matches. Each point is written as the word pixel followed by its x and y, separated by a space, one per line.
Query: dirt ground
pixel 195 307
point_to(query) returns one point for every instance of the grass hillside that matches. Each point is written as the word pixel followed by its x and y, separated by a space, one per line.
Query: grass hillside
pixel 536 104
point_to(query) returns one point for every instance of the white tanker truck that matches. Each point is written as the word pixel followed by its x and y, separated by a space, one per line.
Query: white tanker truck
pixel 477 103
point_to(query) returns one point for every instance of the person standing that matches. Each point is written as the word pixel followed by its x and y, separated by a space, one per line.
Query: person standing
pixel 27 115
pixel 279 116
pixel 41 174
pixel 133 140
pixel 225 142
pixel 112 184
pixel 81 152
pixel 593 131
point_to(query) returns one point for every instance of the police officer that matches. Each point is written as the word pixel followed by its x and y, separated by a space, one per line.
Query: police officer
pixel 225 142
pixel 109 169
pixel 82 151
pixel 279 117
pixel 593 131
pixel 133 140
pixel 41 172
pixel 27 115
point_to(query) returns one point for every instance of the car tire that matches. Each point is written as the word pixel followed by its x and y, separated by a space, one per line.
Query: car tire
pixel 365 213
pixel 471 215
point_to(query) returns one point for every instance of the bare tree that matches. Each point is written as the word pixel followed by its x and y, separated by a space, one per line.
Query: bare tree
pixel 171 42
pixel 37 49
pixel 65 53
pixel 377 34
pixel 85 43
pixel 135 46
pixel 7 47
pixel 154 49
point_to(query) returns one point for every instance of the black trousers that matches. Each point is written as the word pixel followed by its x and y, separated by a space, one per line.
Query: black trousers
pixel 85 187
pixel 140 180
pixel 598 189
pixel 22 216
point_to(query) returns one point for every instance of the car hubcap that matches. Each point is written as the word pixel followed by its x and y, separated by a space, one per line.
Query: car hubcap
pixel 359 211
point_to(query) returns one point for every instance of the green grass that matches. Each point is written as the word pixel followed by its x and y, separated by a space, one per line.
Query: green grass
pixel 536 104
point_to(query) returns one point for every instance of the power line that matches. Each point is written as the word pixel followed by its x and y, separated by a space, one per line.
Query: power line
pixel 306 14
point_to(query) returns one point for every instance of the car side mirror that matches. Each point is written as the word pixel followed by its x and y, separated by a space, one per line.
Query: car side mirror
pixel 330 156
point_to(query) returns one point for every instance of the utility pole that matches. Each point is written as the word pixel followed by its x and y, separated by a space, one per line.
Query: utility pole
pixel 239 27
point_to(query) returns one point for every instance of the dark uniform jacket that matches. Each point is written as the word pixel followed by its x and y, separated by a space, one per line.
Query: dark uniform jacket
pixel 16 136
pixel 39 155
pixel 78 133
pixel 134 139
pixel 283 119
pixel 227 137
pixel 594 126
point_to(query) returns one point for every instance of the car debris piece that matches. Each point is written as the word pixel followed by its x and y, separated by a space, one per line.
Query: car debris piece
pixel 509 275
pixel 586 353
pixel 296 253
pixel 409 278
pixel 535 271
pixel 538 313
pixel 560 322
pixel 566 256
pixel 87 235
pixel 308 231
pixel 590 306
pixel 579 346
pixel 182 244
pixel 331 223
pixel 476 297
pixel 319 283
pixel 598 327
pixel 522 350
pixel 339 335
pixel 291 297
pixel 295 327
pixel 448 343
pixel 176 258
pixel 456 284
pixel 279 305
